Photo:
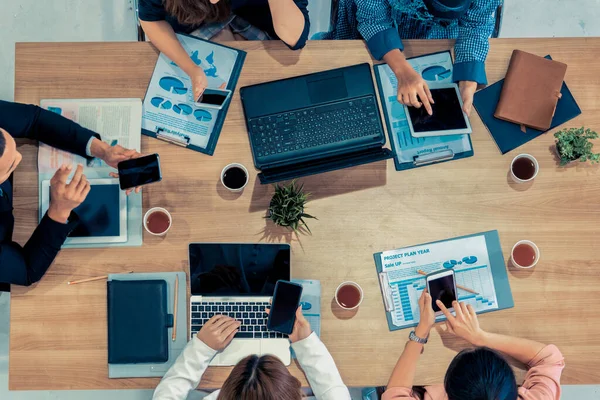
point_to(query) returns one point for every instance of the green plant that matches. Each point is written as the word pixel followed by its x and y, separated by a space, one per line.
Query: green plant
pixel 287 206
pixel 573 144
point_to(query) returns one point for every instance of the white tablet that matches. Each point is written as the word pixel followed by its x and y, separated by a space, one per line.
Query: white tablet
pixel 448 117
pixel 102 215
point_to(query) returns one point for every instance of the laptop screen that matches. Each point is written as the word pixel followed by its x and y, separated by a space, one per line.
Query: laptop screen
pixel 218 269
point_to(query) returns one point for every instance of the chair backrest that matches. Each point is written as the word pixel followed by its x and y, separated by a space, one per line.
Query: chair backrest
pixel 141 35
pixel 498 24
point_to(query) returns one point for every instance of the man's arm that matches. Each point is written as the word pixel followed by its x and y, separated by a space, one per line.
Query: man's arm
pixel 32 122
pixel 26 265
pixel 290 21
pixel 376 26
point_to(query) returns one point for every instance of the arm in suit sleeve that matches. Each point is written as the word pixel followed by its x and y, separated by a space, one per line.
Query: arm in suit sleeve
pixel 26 265
pixel 32 122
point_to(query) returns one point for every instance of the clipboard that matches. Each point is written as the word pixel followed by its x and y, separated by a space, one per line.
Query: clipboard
pixel 435 67
pixel 181 136
pixel 497 266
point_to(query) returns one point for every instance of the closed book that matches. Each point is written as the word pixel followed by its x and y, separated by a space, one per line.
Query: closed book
pixel 531 90
pixel 138 322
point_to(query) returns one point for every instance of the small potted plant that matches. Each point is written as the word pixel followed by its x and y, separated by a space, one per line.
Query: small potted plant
pixel 573 144
pixel 287 206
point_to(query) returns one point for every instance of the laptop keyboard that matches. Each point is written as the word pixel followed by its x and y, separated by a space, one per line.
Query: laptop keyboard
pixel 315 127
pixel 251 314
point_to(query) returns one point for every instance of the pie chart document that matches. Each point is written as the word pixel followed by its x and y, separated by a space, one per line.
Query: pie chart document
pixel 170 111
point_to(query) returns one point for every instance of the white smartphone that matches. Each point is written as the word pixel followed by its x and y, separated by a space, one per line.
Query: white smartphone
pixel 214 98
pixel 441 285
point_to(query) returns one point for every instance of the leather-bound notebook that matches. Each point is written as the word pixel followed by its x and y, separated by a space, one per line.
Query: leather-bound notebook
pixel 531 90
pixel 138 322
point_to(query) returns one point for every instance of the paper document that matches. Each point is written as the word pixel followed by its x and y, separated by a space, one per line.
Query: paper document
pixel 116 120
pixel 469 259
pixel 434 68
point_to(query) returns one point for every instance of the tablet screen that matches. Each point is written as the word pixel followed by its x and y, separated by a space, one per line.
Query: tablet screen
pixel 447 113
pixel 99 214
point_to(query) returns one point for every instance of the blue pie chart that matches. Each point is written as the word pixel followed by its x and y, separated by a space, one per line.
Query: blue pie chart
pixel 172 85
pixel 450 264
pixel 166 105
pixel 156 101
pixel 470 260
pixel 182 109
pixel 435 73
pixel 202 115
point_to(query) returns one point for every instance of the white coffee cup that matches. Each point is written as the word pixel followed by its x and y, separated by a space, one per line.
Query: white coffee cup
pixel 232 165
pixel 532 159
pixel 532 245
pixel 349 283
pixel 152 211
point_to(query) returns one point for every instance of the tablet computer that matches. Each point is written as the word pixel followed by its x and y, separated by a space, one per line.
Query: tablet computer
pixel 448 117
pixel 102 215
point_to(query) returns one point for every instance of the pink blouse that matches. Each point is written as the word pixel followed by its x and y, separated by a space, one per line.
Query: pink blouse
pixel 542 381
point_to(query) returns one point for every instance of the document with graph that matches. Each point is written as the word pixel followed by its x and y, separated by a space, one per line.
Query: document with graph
pixel 478 265
pixel 170 109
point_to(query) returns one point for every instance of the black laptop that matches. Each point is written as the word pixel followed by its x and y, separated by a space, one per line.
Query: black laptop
pixel 314 123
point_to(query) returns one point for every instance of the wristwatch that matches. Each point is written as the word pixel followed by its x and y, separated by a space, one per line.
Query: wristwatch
pixel 412 336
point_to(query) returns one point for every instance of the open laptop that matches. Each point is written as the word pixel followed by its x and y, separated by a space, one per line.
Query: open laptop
pixel 238 280
pixel 314 123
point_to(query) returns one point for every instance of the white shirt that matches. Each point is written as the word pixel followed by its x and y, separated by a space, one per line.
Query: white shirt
pixel 318 365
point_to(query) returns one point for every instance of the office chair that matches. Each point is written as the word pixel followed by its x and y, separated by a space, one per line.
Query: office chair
pixel 498 15
pixel 141 35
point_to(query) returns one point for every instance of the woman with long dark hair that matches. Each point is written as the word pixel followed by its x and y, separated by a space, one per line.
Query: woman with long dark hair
pixel 481 373
pixel 254 377
pixel 253 19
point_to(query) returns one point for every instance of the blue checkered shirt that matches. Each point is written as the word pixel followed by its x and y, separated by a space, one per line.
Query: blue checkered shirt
pixel 384 23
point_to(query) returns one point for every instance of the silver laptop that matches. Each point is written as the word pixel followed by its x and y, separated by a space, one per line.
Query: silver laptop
pixel 238 280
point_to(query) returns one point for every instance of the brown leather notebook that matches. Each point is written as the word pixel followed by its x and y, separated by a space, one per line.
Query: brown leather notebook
pixel 531 90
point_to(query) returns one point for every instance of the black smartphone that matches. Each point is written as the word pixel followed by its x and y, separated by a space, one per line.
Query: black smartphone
pixel 214 98
pixel 139 171
pixel 441 285
pixel 286 300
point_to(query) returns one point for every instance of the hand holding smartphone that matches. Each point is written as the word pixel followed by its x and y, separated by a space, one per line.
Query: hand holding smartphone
pixel 286 300
pixel 139 171
pixel 441 285
pixel 214 98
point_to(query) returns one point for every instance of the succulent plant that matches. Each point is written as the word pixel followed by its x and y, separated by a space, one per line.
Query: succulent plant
pixel 287 206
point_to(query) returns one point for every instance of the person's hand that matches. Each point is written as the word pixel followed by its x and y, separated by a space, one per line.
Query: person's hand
pixel 412 88
pixel 112 156
pixel 427 318
pixel 467 90
pixel 218 332
pixel 65 197
pixel 199 82
pixel 302 328
pixel 465 325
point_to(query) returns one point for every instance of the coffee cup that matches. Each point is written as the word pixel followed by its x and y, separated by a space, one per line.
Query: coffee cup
pixel 524 168
pixel 234 177
pixel 349 295
pixel 157 221
pixel 524 254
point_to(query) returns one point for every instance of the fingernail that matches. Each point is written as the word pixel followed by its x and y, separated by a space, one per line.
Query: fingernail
pixel 69 167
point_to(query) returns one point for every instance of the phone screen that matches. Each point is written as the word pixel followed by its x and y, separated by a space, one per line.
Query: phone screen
pixel 286 300
pixel 139 171
pixel 215 99
pixel 443 289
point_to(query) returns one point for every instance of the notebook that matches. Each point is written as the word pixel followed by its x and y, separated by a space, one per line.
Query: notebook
pixel 508 136
pixel 138 322
pixel 531 90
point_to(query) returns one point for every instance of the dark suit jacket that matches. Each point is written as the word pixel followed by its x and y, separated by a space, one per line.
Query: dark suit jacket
pixel 26 265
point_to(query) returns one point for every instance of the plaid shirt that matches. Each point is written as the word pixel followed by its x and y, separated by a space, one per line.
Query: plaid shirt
pixel 383 23
pixel 237 24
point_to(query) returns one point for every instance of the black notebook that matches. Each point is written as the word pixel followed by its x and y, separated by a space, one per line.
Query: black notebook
pixel 138 322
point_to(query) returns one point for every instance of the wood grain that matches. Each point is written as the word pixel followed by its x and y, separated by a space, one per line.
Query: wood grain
pixel 58 332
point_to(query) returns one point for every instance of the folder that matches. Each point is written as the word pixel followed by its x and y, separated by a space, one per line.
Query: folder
pixel 508 136
pixel 138 322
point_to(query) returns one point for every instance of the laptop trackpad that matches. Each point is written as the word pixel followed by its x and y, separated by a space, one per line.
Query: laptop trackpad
pixel 322 90
pixel 237 350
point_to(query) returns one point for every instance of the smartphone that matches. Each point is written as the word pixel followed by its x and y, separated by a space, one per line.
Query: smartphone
pixel 286 300
pixel 214 98
pixel 441 285
pixel 139 171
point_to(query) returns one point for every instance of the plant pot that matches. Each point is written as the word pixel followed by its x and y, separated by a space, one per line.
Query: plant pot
pixel 557 148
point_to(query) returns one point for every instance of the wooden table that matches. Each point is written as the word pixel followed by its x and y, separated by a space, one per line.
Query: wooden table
pixel 58 336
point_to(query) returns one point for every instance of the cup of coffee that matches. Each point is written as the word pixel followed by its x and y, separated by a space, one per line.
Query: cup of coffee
pixel 525 254
pixel 234 177
pixel 524 168
pixel 349 295
pixel 157 221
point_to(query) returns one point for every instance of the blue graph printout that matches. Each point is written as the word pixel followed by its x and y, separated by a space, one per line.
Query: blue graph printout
pixel 169 104
pixel 468 257
pixel 434 68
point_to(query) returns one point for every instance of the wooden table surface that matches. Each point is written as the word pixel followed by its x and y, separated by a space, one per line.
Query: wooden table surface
pixel 58 337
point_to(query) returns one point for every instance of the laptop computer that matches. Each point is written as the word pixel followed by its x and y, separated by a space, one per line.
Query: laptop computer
pixel 238 280
pixel 314 123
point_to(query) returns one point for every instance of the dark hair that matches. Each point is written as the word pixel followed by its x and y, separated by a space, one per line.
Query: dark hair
pixel 480 374
pixel 196 12
pixel 2 143
pixel 260 378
